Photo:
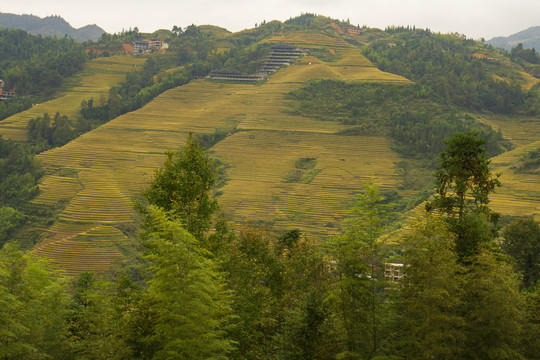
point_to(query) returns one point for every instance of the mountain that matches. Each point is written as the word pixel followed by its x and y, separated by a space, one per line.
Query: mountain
pixel 297 147
pixel 50 26
pixel 530 38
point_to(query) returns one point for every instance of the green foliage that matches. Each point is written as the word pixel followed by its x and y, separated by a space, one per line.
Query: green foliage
pixel 429 319
pixel 357 296
pixel 522 243
pixel 46 135
pixel 184 187
pixel 416 120
pixel 95 327
pixel 305 171
pixel 444 64
pixel 530 340
pixel 186 293
pixel 463 185
pixel 278 287
pixel 35 66
pixel 10 219
pixel 528 163
pixel 493 310
pixel 19 173
pixel 34 307
pixel 207 140
pixel 247 60
pixel 520 53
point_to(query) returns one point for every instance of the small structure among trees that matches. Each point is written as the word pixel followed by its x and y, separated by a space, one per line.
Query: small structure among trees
pixel 5 95
pixel 147 45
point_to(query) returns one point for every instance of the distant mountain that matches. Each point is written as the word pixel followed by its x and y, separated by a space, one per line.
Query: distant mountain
pixel 530 38
pixel 50 26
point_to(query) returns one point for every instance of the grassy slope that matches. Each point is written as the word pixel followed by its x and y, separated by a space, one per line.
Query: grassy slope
pixel 93 82
pixel 109 165
pixel 99 173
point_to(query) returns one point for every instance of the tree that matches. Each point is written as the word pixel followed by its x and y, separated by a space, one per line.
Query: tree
pixel 186 298
pixel 10 219
pixel 522 242
pixel 183 187
pixel 531 328
pixel 34 303
pixel 358 295
pixel 463 185
pixel 492 309
pixel 429 322
pixel 96 327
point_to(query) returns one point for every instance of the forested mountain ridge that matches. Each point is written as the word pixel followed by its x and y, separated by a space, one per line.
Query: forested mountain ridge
pixel 50 26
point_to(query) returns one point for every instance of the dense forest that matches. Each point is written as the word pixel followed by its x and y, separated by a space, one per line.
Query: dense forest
pixel 447 65
pixel 34 67
pixel 228 293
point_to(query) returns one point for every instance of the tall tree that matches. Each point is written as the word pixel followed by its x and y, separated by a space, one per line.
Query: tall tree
pixel 463 185
pixel 522 242
pixel 358 296
pixel 186 295
pixel 492 309
pixel 429 322
pixel 96 327
pixel 183 187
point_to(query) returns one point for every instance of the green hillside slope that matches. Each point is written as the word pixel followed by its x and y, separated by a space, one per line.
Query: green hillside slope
pixel 113 163
pixel 290 163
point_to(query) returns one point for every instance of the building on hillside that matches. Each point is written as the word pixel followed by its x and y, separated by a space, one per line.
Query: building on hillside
pixel 148 45
pixel 280 55
pixel 234 75
pixel 140 46
pixel 393 272
pixel 5 95
pixel 354 30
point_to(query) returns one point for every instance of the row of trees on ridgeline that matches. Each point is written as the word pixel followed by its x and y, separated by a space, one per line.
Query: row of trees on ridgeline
pixel 204 291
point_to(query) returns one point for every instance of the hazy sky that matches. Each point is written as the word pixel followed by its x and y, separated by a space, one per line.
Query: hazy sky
pixel 474 18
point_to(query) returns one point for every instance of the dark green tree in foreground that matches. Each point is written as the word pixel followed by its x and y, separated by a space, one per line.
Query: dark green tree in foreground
pixel 522 242
pixel 357 296
pixel 184 187
pixel 188 304
pixel 463 185
pixel 429 320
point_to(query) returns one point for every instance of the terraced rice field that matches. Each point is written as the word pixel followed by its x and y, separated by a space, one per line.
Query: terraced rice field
pixel 95 81
pixel 91 197
pixel 99 173
pixel 260 162
pixel 519 194
pixel 82 248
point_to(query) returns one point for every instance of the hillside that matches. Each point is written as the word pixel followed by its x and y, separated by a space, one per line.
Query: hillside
pixel 530 38
pixel 290 163
pixel 50 26
pixel 110 165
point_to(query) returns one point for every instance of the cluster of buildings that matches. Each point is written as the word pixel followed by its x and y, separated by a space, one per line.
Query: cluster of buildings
pixel 278 56
pixel 149 45
pixel 5 95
